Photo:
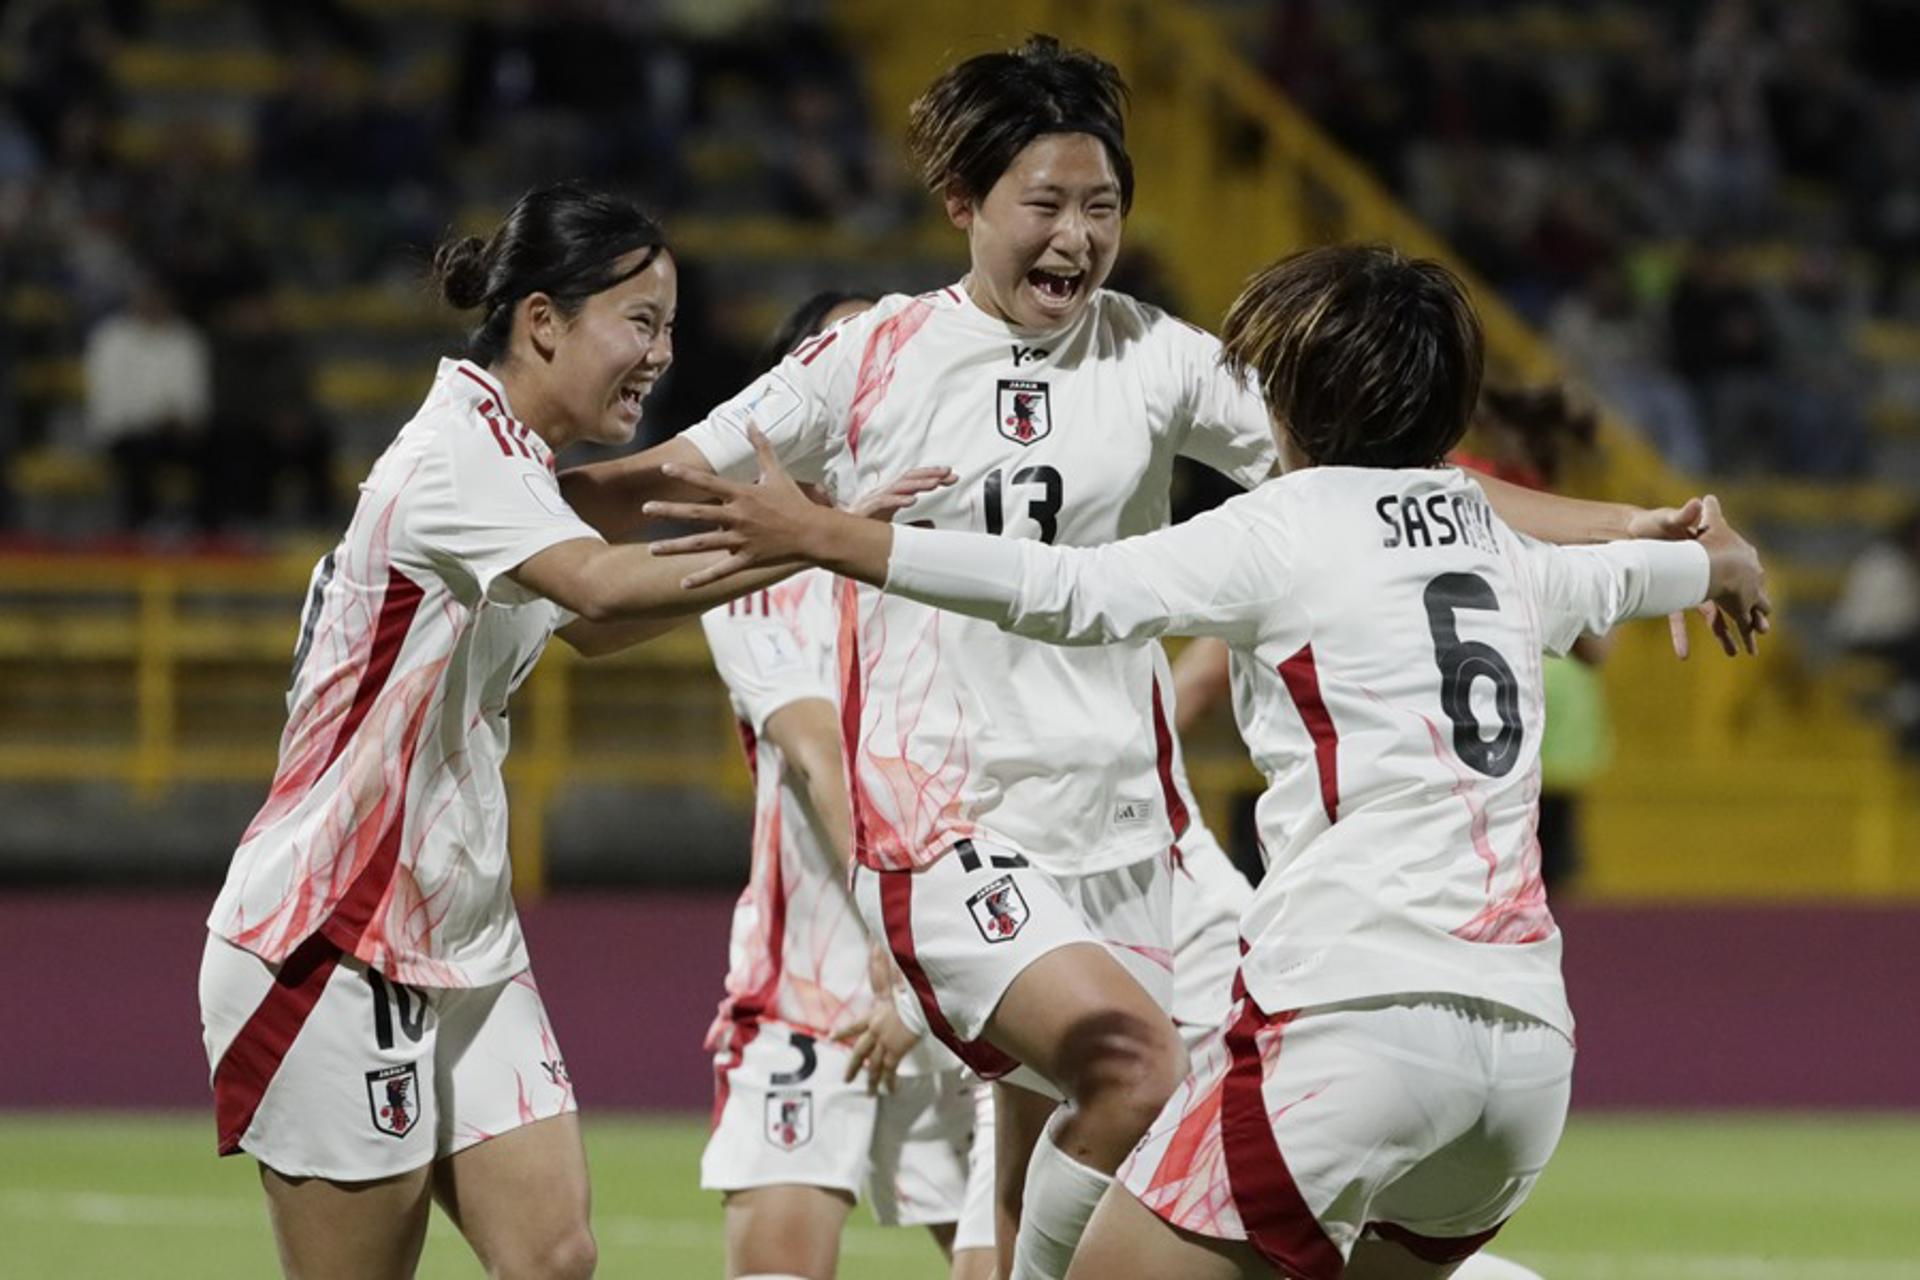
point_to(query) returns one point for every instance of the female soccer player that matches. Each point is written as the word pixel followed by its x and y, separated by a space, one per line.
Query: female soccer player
pixel 795 1136
pixel 1012 811
pixel 374 1029
pixel 1394 1075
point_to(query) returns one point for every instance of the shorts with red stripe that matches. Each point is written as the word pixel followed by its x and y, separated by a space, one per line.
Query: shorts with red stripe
pixel 963 928
pixel 323 1068
pixel 1424 1119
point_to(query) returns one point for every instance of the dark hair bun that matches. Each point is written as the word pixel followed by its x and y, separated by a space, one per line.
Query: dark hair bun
pixel 460 265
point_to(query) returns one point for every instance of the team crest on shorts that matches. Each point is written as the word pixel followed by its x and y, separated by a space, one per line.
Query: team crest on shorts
pixel 999 910
pixel 393 1093
pixel 1023 413
pixel 789 1118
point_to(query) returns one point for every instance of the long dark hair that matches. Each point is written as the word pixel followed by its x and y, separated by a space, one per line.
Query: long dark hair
pixel 564 240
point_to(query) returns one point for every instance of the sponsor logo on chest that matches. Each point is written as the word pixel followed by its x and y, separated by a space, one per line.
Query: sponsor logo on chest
pixel 1022 412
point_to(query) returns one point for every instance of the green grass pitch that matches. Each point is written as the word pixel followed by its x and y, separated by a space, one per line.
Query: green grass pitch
pixel 1627 1198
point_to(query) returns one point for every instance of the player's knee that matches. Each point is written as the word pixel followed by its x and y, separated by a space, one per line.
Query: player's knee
pixel 1124 1070
pixel 570 1255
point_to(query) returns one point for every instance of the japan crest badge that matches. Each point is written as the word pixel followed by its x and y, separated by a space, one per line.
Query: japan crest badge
pixel 789 1118
pixel 1023 413
pixel 393 1094
pixel 999 910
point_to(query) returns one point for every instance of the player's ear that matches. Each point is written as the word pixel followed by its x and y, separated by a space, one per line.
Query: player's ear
pixel 542 322
pixel 959 208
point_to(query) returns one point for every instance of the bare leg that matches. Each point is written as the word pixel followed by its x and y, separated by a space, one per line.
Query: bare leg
pixel 785 1230
pixel 522 1202
pixel 1125 1241
pixel 348 1230
pixel 1081 1020
pixel 974 1264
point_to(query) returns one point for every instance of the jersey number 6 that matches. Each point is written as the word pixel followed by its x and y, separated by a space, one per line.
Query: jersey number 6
pixel 1461 663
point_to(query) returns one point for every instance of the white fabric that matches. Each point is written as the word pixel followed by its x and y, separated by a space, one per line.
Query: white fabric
pixel 1402 604
pixel 788 1116
pixel 386 824
pixel 955 905
pixel 484 1062
pixel 1487 1266
pixel 1432 1114
pixel 978 1226
pixel 140 374
pixel 1209 893
pixel 1060 1196
pixel 961 731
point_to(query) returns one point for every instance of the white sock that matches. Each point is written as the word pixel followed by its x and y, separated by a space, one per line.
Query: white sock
pixel 1487 1266
pixel 1060 1196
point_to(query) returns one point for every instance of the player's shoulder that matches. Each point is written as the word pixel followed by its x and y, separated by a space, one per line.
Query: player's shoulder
pixel 1127 317
pixel 466 415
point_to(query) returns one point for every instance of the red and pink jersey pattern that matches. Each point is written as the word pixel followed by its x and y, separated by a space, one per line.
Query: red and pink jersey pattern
pixel 951 728
pixel 385 826
pixel 798 952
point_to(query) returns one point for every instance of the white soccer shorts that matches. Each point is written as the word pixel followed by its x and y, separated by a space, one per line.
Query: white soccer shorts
pixel 962 929
pixel 1422 1119
pixel 784 1115
pixel 323 1068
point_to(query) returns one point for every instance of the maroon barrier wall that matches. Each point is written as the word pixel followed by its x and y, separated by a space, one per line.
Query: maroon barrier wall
pixel 1678 1007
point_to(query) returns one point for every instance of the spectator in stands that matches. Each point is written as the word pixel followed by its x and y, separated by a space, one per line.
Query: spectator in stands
pixel 1817 317
pixel 1606 335
pixel 267 434
pixel 1879 617
pixel 1723 342
pixel 148 396
pixel 1884 194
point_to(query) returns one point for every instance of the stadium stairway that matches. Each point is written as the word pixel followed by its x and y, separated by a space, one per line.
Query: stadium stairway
pixel 1730 780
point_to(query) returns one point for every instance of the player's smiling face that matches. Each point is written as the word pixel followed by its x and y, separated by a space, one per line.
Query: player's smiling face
pixel 1045 237
pixel 609 354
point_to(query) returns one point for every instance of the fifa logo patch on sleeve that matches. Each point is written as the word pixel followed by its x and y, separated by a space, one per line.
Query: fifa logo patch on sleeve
pixel 393 1093
pixel 1023 413
pixel 789 1118
pixel 998 910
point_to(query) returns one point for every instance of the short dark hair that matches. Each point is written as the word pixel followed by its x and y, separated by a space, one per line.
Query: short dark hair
pixel 1364 357
pixel 806 320
pixel 563 240
pixel 966 129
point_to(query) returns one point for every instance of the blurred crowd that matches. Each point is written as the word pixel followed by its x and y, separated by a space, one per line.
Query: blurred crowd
pixel 1700 200
pixel 154 244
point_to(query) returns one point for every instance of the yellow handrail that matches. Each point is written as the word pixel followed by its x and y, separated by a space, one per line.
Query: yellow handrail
pixel 155 621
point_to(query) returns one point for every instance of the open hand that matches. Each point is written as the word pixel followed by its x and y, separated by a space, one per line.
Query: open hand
pixel 1736 583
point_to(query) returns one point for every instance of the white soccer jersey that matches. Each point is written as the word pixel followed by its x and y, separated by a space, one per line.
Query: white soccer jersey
pixel 953 728
pixel 798 952
pixel 1387 629
pixel 386 826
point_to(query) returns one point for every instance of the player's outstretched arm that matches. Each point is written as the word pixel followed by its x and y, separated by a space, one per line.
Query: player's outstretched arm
pixel 609 495
pixel 1174 581
pixel 622 594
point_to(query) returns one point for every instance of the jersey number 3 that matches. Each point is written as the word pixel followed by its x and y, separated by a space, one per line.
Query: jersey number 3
pixel 1461 663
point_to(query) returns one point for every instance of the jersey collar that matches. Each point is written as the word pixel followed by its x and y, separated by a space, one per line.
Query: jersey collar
pixel 472 386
